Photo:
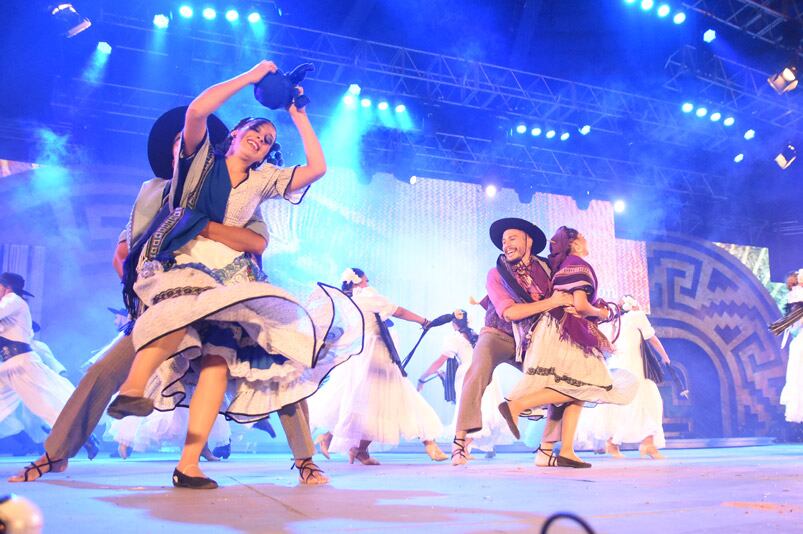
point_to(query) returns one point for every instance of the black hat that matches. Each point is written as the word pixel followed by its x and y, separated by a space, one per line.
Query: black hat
pixel 14 282
pixel 512 223
pixel 163 133
pixel 277 90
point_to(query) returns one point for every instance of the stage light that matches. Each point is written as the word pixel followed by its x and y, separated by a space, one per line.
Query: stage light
pixel 232 15
pixel 631 2
pixel 382 106
pixel 646 5
pixel 749 134
pixel 564 136
pixel 679 18
pixel 687 107
pixel 550 134
pixel 254 17
pixel 701 111
pixel 709 35
pixel 104 48
pixel 535 132
pixel 209 13
pixel 354 89
pixel 619 206
pixel 715 116
pixel 401 108
pixel 784 81
pixel 413 179
pixel 490 190
pixel 71 22
pixel 521 128
pixel 161 21
pixel 365 102
pixel 349 100
pixel 663 10
pixel 738 158
pixel 729 121
pixel 786 157
pixel 585 129
pixel 185 11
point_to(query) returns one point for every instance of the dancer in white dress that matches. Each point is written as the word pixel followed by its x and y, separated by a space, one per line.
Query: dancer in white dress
pixel 792 393
pixel 641 420
pixel 368 399
pixel 458 346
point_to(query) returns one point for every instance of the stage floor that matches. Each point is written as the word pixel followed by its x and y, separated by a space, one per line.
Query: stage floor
pixel 749 489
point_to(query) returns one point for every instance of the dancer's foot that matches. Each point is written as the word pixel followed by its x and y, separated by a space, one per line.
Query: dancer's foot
pixel 265 426
pixel 323 441
pixel 544 457
pixel 570 459
pixel 191 477
pixel 504 409
pixel 207 455
pixel 435 453
pixel 124 450
pixel 92 447
pixel 125 405
pixel 613 449
pixel 223 451
pixel 44 464
pixel 309 474
pixel 459 452
pixel 651 451
pixel 362 456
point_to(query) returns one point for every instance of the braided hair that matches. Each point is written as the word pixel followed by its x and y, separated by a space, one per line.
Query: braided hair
pixel 460 318
pixel 274 155
pixel 347 286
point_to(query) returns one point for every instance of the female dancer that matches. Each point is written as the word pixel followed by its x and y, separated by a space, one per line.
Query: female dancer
pixel 459 346
pixel 204 300
pixel 564 363
pixel 792 393
pixel 369 399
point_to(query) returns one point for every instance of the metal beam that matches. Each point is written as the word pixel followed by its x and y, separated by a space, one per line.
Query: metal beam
pixel 762 19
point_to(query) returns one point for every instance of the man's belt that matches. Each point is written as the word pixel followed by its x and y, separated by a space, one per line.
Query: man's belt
pixel 9 349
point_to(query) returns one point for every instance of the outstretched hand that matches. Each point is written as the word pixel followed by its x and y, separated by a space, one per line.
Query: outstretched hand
pixel 260 70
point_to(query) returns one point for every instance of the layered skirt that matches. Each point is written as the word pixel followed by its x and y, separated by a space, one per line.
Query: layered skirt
pixel 792 393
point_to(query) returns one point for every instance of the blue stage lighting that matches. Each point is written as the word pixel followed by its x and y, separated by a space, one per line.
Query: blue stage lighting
pixel 232 15
pixel 550 134
pixel 701 111
pixel 630 2
pixel 585 129
pixel 490 190
pixel 382 106
pixel 104 48
pixel 365 102
pixel 185 11
pixel 354 89
pixel 564 136
pixel 535 132
pixel 749 134
pixel 254 17
pixel 401 108
pixel 663 10
pixel 521 128
pixel 687 107
pixel 679 18
pixel 349 100
pixel 209 13
pixel 729 121
pixel 413 179
pixel 738 157
pixel 715 116
pixel 161 21
pixel 646 5
pixel 619 206
pixel 709 35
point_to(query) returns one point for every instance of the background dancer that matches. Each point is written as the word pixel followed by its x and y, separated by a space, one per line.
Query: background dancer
pixel 792 393
pixel 369 399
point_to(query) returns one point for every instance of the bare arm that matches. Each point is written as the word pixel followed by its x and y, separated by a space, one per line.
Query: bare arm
pixel 120 254
pixel 656 343
pixel 315 167
pixel 519 311
pixel 432 369
pixel 407 315
pixel 212 98
pixel 241 239
pixel 585 308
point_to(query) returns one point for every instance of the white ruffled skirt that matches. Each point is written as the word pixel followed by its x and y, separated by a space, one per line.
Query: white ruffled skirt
pixel 792 393
pixel 162 429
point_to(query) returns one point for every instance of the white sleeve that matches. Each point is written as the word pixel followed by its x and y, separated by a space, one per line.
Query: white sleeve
pixel 647 331
pixel 47 357
pixel 277 181
pixel 450 346
pixel 373 302
pixel 10 304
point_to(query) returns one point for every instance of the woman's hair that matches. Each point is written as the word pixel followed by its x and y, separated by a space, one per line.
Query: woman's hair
pixel 347 286
pixel 560 246
pixel 274 155
pixel 792 280
pixel 460 318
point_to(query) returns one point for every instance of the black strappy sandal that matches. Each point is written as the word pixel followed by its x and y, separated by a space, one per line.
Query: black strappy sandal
pixel 305 470
pixel 49 463
pixel 459 451
pixel 553 459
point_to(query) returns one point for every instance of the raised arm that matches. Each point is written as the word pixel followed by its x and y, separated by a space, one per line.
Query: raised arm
pixel 315 167
pixel 656 343
pixel 212 98
pixel 407 315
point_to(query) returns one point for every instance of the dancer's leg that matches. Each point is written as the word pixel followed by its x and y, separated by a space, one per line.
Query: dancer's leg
pixel 571 416
pixel 534 399
pixel 147 360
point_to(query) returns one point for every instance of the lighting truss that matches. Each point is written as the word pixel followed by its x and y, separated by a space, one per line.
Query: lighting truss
pixel 762 19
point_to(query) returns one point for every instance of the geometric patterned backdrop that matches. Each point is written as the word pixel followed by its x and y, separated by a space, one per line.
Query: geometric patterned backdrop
pixel 703 295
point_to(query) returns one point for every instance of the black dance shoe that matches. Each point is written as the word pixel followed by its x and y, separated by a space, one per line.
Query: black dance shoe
pixel 124 405
pixel 180 480
pixel 567 462
pixel 223 451
pixel 504 409
pixel 92 447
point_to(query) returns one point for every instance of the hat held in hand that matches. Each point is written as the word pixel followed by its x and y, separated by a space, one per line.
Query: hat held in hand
pixel 278 90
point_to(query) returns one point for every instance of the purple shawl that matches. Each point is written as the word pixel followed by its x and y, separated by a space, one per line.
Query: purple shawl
pixel 528 283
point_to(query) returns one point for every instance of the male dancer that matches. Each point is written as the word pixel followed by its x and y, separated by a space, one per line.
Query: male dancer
pixel 85 407
pixel 512 307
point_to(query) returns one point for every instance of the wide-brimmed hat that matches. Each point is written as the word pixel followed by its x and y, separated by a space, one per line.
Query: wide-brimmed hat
pixel 513 223
pixel 14 282
pixel 163 132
